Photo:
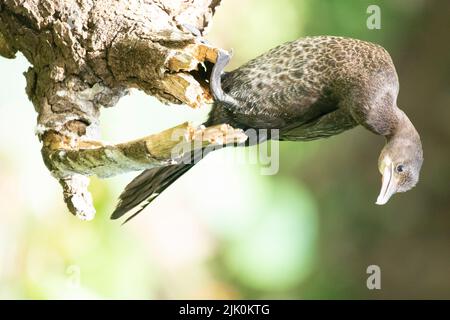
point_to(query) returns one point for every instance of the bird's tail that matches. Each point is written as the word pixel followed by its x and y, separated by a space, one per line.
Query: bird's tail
pixel 146 187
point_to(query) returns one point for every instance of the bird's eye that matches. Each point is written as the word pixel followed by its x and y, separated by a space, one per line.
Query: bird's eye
pixel 400 168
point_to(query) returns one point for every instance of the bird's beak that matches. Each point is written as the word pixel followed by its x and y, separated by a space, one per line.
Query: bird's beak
pixel 388 187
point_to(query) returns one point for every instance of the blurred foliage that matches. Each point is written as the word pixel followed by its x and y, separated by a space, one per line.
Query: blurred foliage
pixel 309 231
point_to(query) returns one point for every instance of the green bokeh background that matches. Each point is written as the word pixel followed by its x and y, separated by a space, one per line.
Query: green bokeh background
pixel 224 230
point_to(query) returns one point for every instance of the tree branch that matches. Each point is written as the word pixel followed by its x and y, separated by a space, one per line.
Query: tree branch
pixel 72 161
pixel 165 148
pixel 85 55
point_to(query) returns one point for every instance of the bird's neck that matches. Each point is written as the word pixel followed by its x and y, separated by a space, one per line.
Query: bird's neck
pixel 401 128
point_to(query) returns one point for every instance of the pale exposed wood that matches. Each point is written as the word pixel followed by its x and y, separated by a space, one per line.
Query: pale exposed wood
pixel 165 148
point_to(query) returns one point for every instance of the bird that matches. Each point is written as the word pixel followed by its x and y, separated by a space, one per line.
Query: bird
pixel 311 88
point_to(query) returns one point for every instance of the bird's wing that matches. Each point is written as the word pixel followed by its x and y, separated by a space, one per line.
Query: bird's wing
pixel 277 93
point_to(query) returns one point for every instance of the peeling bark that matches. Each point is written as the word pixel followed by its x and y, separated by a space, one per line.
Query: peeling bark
pixel 85 55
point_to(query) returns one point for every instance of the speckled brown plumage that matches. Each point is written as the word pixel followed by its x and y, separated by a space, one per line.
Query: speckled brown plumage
pixel 311 88
pixel 298 82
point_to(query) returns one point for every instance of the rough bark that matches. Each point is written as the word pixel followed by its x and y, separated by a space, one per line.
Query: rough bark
pixel 85 55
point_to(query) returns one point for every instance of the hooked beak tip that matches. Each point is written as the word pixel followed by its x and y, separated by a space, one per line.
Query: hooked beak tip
pixel 380 201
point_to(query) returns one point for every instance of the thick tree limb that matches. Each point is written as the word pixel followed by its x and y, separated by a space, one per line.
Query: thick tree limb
pixel 165 148
pixel 74 160
pixel 85 55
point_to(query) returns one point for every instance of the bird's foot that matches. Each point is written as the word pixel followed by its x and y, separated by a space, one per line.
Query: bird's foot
pixel 222 60
pixel 215 81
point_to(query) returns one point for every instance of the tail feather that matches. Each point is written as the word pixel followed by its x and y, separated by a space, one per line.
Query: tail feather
pixel 146 187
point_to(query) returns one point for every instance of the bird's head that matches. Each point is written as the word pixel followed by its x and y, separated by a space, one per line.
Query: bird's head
pixel 400 162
